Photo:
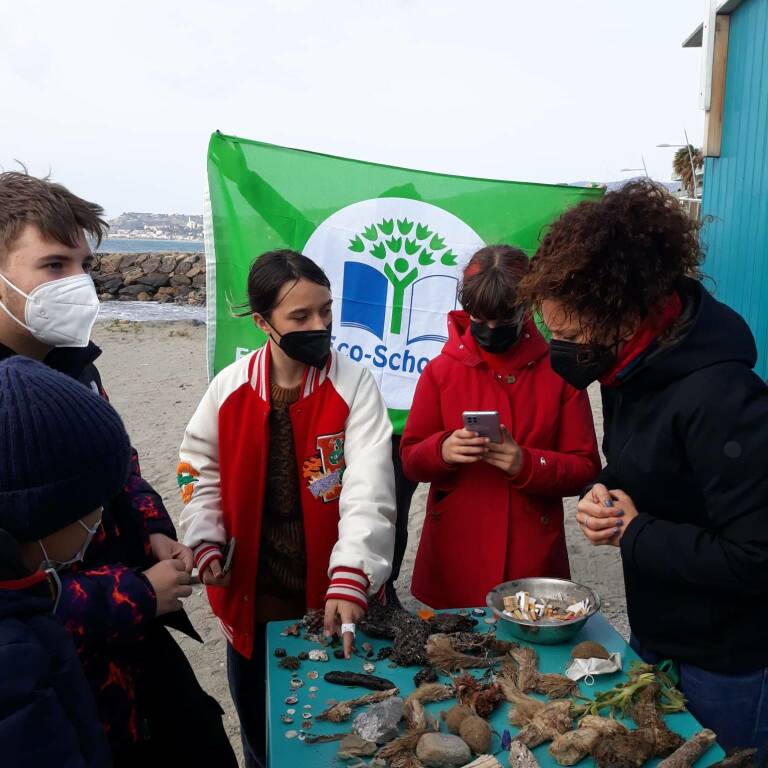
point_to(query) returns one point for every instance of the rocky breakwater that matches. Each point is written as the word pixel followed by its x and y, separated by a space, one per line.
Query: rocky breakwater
pixel 162 277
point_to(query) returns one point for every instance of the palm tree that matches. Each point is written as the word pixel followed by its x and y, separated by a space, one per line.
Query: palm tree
pixel 681 164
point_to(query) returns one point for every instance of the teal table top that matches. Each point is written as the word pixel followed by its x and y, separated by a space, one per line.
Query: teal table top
pixel 287 752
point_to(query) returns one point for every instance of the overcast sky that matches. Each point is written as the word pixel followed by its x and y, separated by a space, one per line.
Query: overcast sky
pixel 118 99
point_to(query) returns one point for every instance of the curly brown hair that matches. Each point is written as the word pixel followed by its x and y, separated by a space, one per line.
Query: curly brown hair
pixel 489 288
pixel 613 262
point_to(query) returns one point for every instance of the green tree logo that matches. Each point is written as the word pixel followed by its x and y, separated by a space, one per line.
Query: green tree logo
pixel 405 253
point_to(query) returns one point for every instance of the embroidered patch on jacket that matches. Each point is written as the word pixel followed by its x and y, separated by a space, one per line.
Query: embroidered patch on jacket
pixel 325 469
pixel 186 477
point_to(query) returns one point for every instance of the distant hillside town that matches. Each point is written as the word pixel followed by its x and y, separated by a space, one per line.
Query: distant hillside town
pixel 156 226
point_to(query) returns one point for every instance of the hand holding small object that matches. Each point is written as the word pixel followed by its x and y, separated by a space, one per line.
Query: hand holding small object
pixel 604 515
pixel 464 447
pixel 505 455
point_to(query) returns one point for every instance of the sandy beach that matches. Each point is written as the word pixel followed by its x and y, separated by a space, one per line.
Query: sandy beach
pixel 155 375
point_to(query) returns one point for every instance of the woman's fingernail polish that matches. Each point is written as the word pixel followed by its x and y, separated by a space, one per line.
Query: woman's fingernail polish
pixel 608 502
pixel 619 523
pixel 619 512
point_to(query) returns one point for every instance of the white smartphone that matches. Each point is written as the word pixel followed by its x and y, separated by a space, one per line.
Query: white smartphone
pixel 485 423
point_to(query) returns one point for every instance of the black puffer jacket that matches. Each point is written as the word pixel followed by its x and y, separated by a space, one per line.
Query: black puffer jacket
pixel 686 436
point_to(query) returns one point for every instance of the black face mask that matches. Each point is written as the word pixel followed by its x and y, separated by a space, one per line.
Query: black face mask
pixel 580 364
pixel 495 340
pixel 308 347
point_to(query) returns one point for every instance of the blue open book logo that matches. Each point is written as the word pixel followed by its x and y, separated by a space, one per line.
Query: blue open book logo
pixel 394 265
pixel 364 303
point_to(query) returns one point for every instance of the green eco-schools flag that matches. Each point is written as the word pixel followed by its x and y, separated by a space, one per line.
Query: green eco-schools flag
pixel 392 241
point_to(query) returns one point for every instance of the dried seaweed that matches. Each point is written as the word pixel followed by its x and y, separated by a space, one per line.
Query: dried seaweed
pixel 555 686
pixel 401 752
pixel 450 623
pixel 291 663
pixel 443 656
pixel 341 711
pixel 426 675
pixel 527 661
pixel 431 692
pixel 487 700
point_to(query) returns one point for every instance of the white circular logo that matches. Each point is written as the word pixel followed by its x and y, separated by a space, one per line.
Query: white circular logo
pixel 394 266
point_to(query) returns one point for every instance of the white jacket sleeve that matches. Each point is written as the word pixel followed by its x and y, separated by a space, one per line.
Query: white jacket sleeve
pixel 366 540
pixel 199 480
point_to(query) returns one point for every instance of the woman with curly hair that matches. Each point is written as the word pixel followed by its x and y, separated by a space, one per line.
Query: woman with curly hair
pixel 684 494
pixel 496 505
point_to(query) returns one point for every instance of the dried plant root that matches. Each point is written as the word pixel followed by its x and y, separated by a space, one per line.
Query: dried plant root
pixel 521 757
pixel 645 712
pixel 739 758
pixel 691 751
pixel 340 711
pixel 627 750
pixel 571 747
pixel 442 655
pixel 546 725
pixel 524 708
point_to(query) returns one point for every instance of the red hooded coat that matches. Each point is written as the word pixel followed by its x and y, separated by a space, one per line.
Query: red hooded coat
pixel 483 527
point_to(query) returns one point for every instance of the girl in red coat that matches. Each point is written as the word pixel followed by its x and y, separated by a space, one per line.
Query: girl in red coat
pixel 495 510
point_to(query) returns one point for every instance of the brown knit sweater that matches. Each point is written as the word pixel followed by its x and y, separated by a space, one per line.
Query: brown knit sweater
pixel 281 579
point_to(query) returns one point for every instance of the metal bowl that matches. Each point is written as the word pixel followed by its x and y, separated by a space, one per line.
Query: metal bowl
pixel 543 632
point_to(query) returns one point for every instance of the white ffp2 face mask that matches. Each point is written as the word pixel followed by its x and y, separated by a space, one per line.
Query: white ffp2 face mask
pixel 59 313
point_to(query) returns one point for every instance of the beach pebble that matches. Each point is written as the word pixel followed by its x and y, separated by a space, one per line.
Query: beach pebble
pixel 442 750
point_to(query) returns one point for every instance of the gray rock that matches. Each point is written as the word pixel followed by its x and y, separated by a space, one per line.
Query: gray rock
pixel 199 280
pixel 108 283
pixel 132 275
pixel 110 263
pixel 353 746
pixel 155 279
pixel 197 269
pixel 151 264
pixel 128 260
pixel 379 722
pixel 184 265
pixel 442 750
pixel 180 280
pixel 167 264
pixel 130 291
pixel 142 257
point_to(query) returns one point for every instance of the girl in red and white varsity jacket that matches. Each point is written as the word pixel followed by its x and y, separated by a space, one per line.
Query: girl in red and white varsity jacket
pixel 289 453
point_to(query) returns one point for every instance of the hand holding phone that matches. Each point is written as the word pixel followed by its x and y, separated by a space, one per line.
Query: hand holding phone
pixel 484 423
